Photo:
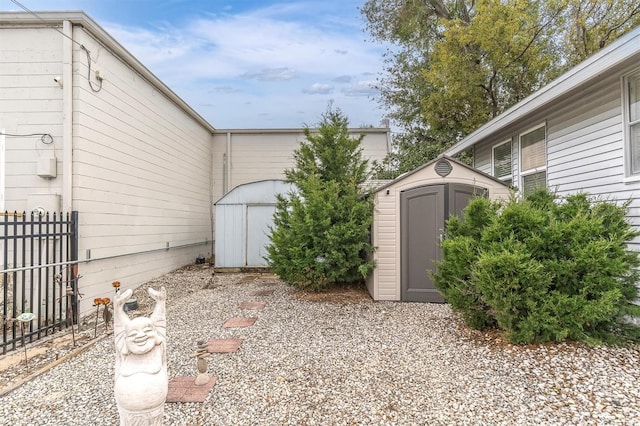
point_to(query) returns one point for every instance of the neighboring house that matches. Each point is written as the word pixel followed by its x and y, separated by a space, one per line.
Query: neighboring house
pixel 249 155
pixel 126 153
pixel 138 164
pixel 580 133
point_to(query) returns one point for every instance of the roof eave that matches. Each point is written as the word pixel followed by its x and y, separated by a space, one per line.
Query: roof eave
pixel 610 56
pixel 82 19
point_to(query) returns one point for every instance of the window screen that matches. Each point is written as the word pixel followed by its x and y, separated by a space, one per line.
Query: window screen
pixel 533 181
pixel 502 161
pixel 533 149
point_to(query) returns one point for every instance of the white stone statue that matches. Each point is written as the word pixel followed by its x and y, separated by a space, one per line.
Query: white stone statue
pixel 141 380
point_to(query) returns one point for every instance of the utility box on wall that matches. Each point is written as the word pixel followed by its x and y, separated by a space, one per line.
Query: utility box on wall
pixel 47 167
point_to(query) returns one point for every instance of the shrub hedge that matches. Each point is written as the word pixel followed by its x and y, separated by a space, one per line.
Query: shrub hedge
pixel 543 268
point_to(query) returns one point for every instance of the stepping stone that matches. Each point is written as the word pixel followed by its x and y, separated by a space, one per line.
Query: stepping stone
pixel 239 322
pixel 184 389
pixel 222 346
pixel 262 293
pixel 252 305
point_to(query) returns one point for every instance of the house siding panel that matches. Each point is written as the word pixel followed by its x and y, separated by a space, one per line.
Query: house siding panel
pixel 141 175
pixel 30 102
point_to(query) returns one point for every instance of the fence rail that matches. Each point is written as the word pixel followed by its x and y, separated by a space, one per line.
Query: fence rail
pixel 39 275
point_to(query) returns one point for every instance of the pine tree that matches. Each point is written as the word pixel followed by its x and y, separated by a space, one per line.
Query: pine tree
pixel 320 236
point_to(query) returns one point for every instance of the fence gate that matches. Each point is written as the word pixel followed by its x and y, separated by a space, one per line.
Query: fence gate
pixel 39 275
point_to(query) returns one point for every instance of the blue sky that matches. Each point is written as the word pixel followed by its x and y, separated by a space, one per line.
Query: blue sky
pixel 247 64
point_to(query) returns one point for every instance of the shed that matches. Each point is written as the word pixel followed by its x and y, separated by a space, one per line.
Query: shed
pixel 243 218
pixel 408 224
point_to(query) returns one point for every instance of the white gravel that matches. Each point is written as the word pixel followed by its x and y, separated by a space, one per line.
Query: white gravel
pixel 356 362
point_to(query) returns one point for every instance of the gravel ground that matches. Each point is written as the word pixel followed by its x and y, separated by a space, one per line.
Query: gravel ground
pixel 342 360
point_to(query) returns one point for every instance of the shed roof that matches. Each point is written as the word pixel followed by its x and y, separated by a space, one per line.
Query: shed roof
pixel 582 74
pixel 259 192
pixel 446 157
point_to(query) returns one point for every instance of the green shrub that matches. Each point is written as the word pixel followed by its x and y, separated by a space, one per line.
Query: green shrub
pixel 542 269
pixel 320 235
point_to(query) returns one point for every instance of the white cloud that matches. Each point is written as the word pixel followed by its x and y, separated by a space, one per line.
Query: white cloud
pixel 361 88
pixel 271 74
pixel 242 68
pixel 318 89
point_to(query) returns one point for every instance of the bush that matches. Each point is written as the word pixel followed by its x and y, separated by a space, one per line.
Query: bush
pixel 542 269
pixel 320 235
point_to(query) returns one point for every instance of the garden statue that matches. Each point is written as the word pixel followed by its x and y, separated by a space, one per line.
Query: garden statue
pixel 141 380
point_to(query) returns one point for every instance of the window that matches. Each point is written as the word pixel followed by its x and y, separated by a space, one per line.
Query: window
pixel 533 159
pixel 632 118
pixel 501 162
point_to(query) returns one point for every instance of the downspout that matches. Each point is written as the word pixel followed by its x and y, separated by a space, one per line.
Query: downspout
pixel 67 117
pixel 227 183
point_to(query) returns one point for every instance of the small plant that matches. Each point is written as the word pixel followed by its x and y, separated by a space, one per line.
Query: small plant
pixel 24 319
pixel 106 313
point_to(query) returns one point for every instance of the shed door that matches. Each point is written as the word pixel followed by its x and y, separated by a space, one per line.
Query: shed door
pixel 422 218
pixel 424 211
pixel 259 218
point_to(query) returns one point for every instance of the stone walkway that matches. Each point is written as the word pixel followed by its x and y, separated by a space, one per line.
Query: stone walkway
pixel 185 388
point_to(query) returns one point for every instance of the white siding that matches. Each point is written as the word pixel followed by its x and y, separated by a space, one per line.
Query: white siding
pixel 30 102
pixel 258 155
pixel 141 180
pixel 585 148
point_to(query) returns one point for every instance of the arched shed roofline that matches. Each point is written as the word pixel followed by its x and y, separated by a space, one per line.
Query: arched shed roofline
pixel 258 192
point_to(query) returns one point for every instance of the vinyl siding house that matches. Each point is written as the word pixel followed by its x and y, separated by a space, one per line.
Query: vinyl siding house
pixel 580 133
pixel 140 166
pixel 126 153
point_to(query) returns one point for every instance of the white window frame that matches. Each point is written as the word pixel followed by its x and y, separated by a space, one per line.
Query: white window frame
pixel 523 173
pixel 627 123
pixel 493 160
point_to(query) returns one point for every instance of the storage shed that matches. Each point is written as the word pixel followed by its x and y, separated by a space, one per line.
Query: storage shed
pixel 409 220
pixel 243 218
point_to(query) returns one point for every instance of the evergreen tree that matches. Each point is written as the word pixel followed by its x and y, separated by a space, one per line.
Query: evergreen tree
pixel 321 231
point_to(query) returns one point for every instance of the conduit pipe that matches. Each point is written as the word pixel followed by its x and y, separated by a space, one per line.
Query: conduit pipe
pixel 67 117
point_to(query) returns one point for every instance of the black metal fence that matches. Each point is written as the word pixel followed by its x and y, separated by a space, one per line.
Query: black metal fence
pixel 39 275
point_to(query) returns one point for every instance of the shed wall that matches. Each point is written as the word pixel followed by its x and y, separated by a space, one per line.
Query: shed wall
pixel 384 282
pixel 243 218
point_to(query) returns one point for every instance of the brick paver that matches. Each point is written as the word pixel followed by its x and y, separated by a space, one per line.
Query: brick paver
pixel 223 345
pixel 239 322
pixel 253 305
pixel 184 389
pixel 262 293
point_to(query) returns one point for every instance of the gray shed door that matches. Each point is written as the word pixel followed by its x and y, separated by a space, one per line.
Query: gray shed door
pixel 259 218
pixel 421 222
pixel 423 212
